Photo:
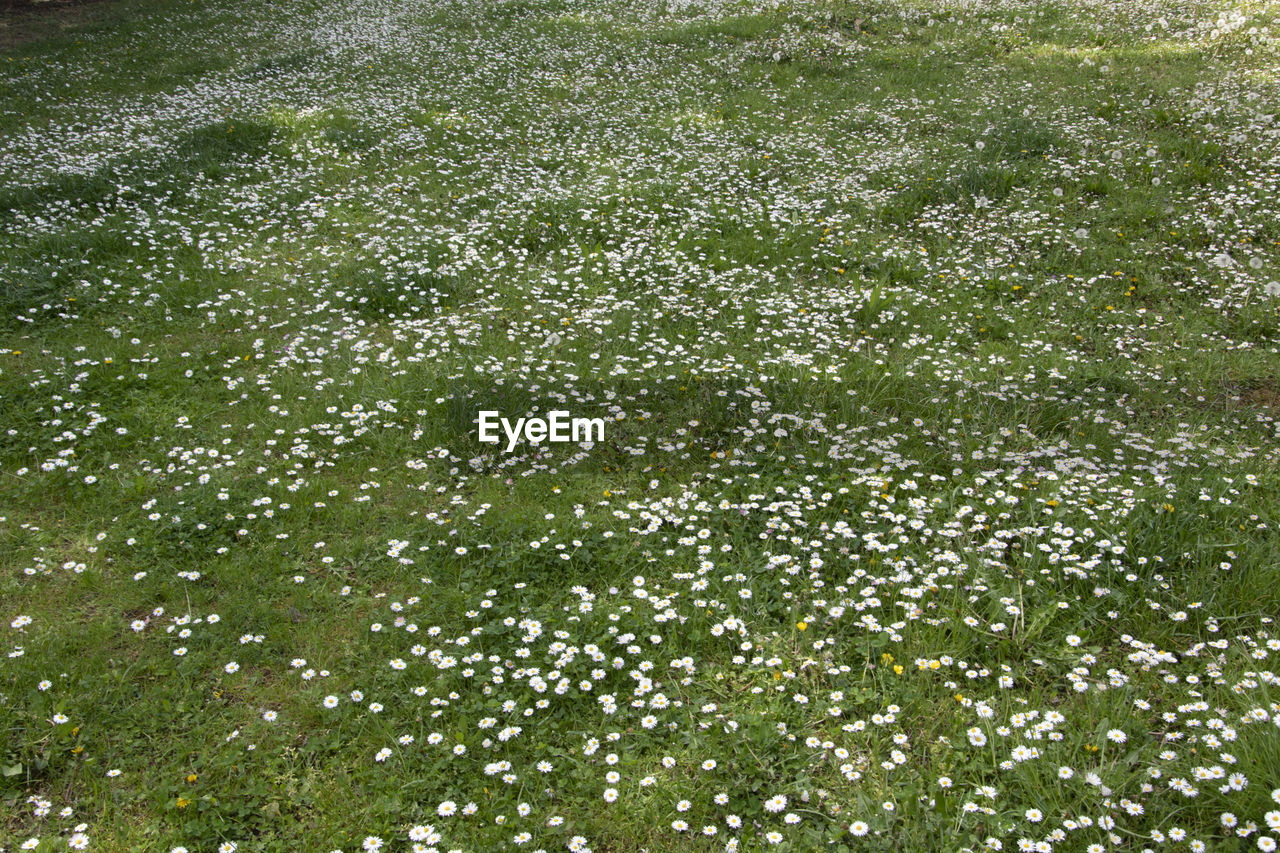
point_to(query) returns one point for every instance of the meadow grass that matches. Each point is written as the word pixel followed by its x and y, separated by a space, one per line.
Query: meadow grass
pixel 937 343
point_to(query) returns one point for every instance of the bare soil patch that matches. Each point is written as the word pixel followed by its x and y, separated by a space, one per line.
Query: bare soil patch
pixel 24 21
pixel 1267 396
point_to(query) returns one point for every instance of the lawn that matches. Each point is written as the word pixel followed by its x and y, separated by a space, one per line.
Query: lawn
pixel 937 348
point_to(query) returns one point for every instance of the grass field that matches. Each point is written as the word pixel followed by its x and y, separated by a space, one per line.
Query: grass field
pixel 939 347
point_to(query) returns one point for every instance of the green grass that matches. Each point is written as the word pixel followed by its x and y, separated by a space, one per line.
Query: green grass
pixel 937 351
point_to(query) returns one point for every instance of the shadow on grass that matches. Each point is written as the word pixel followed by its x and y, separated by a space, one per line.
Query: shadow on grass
pixel 210 150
